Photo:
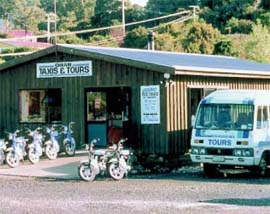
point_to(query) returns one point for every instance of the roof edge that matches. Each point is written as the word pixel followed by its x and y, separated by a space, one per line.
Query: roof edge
pixel 85 53
pixel 27 58
pixel 221 72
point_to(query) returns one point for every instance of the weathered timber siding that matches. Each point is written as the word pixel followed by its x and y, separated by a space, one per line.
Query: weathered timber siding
pixel 168 137
pixel 148 138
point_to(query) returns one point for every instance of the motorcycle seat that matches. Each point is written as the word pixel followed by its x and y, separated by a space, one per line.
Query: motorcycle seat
pixel 124 152
pixel 100 152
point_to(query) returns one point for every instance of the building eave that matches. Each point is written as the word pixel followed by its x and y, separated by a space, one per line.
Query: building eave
pixel 220 72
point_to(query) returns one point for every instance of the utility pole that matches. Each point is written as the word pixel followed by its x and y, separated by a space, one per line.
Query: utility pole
pixel 9 15
pixel 123 17
pixel 194 8
pixel 48 28
pixel 55 23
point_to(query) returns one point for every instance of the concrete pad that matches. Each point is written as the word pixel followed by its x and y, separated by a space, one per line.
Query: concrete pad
pixel 63 167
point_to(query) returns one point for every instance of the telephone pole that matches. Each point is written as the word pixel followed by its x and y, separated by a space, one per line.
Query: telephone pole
pixel 55 23
pixel 48 28
pixel 123 17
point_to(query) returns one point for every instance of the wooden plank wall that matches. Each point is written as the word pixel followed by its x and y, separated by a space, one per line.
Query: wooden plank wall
pixel 168 137
pixel 147 138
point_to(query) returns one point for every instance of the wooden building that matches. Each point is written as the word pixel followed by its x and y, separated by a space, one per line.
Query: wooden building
pixel 147 96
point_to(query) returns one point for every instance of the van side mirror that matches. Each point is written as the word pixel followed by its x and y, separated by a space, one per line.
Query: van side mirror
pixel 193 120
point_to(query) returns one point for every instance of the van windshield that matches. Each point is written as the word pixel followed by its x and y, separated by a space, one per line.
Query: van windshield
pixel 225 116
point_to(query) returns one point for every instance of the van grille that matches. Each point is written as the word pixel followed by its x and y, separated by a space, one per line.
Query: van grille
pixel 226 152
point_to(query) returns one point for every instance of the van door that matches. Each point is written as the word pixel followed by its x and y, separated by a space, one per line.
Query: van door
pixel 262 127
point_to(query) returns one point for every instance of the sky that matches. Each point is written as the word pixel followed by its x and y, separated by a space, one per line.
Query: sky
pixel 140 2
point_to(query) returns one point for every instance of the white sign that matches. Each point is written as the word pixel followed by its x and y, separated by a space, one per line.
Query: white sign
pixel 64 69
pixel 150 104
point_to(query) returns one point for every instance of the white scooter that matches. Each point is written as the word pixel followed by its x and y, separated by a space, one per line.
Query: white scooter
pixel 34 148
pixel 16 151
pixel 119 163
pixel 96 163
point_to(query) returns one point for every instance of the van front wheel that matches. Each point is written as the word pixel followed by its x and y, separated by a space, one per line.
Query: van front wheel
pixel 262 168
pixel 210 170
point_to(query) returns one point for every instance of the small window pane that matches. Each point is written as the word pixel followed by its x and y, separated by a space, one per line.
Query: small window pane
pixel 40 106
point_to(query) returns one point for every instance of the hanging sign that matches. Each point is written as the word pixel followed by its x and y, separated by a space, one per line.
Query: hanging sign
pixel 64 69
pixel 150 104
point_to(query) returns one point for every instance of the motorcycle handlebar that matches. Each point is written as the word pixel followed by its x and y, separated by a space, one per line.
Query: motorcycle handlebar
pixel 122 140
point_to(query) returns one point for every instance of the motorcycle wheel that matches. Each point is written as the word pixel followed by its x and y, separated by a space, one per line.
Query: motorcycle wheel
pixel 33 157
pixel 12 159
pixel 50 152
pixel 2 157
pixel 69 149
pixel 115 171
pixel 86 172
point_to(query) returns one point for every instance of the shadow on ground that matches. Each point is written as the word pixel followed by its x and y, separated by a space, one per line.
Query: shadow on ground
pixel 241 201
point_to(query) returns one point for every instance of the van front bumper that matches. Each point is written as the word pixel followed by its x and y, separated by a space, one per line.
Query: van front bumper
pixel 226 160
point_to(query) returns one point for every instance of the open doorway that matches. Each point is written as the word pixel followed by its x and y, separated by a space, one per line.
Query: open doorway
pixel 107 114
pixel 194 97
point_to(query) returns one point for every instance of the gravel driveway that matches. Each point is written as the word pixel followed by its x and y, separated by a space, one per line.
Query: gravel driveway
pixel 183 191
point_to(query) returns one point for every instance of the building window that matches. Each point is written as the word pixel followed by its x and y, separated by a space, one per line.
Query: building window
pixel 40 106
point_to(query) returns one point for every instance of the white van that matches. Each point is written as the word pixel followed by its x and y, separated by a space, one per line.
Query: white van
pixel 232 131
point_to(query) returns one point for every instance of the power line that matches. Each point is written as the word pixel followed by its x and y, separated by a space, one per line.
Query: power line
pixel 119 38
pixel 101 28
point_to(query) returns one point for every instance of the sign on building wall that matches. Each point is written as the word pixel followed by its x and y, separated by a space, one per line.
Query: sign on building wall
pixel 64 69
pixel 150 104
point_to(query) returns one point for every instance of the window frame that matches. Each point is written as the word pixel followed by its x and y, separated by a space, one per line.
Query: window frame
pixel 46 113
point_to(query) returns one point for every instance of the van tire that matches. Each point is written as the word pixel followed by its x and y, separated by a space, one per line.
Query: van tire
pixel 262 169
pixel 210 170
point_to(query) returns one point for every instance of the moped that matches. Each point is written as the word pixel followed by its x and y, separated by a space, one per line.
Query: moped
pixel 34 146
pixel 96 163
pixel 51 145
pixel 2 151
pixel 15 152
pixel 119 163
pixel 65 138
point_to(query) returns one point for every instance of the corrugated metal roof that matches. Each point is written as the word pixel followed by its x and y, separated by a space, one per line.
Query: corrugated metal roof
pixel 178 61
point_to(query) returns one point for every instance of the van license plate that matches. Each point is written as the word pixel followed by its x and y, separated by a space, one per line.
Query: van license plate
pixel 218 159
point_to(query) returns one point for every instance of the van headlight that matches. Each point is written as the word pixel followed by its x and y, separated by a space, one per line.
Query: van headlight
pixel 202 151
pixel 195 150
pixel 248 152
pixel 243 152
pixel 237 152
pixel 198 150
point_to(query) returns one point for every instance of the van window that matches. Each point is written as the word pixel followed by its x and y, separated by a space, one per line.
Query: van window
pixel 225 116
pixel 262 117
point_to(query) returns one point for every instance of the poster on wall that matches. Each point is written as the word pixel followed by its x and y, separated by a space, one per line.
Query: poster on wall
pixel 150 104
pixel 64 69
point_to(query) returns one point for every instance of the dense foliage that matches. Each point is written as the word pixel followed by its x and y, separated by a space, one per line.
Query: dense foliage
pixel 225 27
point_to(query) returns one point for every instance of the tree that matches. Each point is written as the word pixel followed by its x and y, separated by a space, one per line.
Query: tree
pixel 28 14
pixel 258 44
pixel 71 13
pixel 219 12
pixel 264 19
pixel 106 11
pixel 201 38
pixel 225 47
pixel 161 7
pixel 105 41
pixel 133 14
pixel 238 26
pixel 166 42
pixel 137 38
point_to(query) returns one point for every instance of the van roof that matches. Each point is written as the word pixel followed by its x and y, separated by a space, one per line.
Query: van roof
pixel 256 97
